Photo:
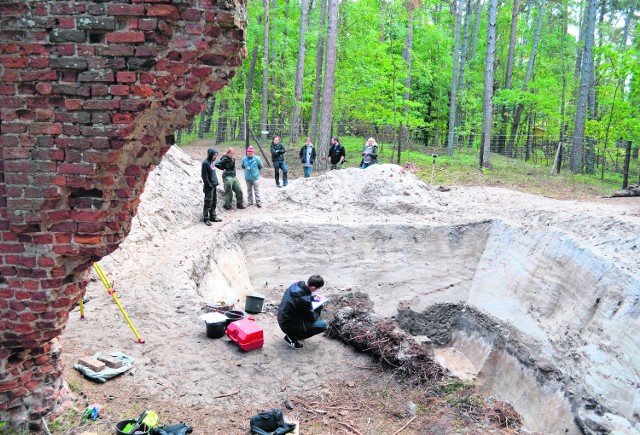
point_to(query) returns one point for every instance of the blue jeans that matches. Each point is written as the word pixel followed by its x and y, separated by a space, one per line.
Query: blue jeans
pixel 307 171
pixel 306 329
pixel 277 165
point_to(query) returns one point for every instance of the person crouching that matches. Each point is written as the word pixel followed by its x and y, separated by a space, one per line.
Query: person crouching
pixel 296 316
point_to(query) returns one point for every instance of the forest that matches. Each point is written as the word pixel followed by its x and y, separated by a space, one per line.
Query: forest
pixel 522 78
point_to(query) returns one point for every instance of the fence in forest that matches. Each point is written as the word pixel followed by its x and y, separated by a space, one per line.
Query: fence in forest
pixel 605 163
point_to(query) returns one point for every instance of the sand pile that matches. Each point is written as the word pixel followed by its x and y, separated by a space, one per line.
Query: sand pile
pixel 380 189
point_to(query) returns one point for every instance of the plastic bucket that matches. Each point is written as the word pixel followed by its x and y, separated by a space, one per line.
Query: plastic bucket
pixel 216 324
pixel 122 424
pixel 254 303
pixel 233 315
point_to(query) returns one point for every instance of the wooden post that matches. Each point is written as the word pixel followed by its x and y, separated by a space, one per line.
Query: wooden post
pixel 625 170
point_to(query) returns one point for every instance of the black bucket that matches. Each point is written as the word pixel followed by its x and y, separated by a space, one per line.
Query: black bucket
pixel 143 429
pixel 233 315
pixel 216 329
pixel 254 303
pixel 216 324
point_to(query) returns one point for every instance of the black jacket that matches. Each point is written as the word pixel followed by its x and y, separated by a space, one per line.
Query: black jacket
pixel 277 152
pixel 335 152
pixel 296 306
pixel 208 174
pixel 303 154
pixel 227 165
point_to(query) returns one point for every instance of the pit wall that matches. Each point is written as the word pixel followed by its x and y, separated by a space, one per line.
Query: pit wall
pixel 582 311
pixel 90 95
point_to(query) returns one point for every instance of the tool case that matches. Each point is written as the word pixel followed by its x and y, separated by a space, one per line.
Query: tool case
pixel 246 334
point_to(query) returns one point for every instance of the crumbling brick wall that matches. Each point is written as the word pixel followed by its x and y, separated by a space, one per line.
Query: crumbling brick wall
pixel 91 93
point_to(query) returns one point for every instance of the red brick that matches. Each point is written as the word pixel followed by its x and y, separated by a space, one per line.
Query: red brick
pixel 72 104
pixel 45 128
pixel 125 37
pixel 124 9
pixel 87 240
pixel 142 91
pixel 126 77
pixel 39 62
pixel 122 118
pixel 34 76
pixel 14 62
pixel 167 11
pixel 120 90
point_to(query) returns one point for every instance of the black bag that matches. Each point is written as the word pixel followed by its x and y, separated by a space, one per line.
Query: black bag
pixel 269 422
pixel 176 429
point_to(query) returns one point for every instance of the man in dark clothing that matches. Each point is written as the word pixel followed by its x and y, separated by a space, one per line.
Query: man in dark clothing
pixel 227 164
pixel 210 180
pixel 336 154
pixel 296 315
pixel 277 157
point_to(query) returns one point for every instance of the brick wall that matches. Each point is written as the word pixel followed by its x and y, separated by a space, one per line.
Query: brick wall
pixel 90 95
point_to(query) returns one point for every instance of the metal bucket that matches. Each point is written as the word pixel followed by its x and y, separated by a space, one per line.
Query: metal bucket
pixel 254 303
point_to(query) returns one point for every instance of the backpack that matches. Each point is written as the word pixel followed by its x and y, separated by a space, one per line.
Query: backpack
pixel 270 422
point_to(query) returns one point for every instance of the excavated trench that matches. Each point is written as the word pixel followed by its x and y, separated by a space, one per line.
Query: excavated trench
pixel 544 323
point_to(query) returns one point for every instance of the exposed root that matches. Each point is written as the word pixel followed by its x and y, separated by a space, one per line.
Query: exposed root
pixel 383 338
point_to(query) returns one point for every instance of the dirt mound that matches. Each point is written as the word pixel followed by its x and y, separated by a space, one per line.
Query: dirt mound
pixel 383 189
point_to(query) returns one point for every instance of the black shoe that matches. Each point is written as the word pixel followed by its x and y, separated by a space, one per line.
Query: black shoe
pixel 277 185
pixel 292 342
pixel 228 208
pixel 207 223
pixel 259 205
pixel 241 207
pixel 216 219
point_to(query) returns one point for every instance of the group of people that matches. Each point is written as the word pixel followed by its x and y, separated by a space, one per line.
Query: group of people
pixel 297 316
pixel 252 165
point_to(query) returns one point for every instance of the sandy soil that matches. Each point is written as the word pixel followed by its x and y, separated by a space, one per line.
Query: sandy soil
pixel 172 267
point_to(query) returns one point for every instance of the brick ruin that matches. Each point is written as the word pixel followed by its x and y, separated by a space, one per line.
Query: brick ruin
pixel 91 93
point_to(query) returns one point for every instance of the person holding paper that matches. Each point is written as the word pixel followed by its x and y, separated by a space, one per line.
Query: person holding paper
pixel 297 316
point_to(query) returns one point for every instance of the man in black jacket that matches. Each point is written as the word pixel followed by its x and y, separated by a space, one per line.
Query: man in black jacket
pixel 296 315
pixel 277 157
pixel 210 180
pixel 336 154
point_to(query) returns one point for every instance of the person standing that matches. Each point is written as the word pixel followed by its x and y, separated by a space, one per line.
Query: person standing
pixel 296 316
pixel 277 157
pixel 336 154
pixel 227 164
pixel 370 153
pixel 210 189
pixel 307 157
pixel 252 165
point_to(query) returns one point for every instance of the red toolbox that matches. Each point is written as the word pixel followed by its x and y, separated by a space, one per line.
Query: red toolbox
pixel 246 333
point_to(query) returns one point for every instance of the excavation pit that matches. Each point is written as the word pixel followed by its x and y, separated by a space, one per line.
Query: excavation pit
pixel 543 310
pixel 514 304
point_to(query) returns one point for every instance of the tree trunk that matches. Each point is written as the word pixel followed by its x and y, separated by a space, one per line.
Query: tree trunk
pixel 508 75
pixel 487 100
pixel 221 133
pixel 454 80
pixel 579 46
pixel 326 117
pixel 476 26
pixel 295 118
pixel 317 90
pixel 407 55
pixel 583 93
pixel 463 60
pixel 532 59
pixel 248 96
pixel 282 86
pixel 265 74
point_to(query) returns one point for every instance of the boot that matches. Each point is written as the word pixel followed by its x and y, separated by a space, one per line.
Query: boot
pixel 215 218
pixel 207 222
